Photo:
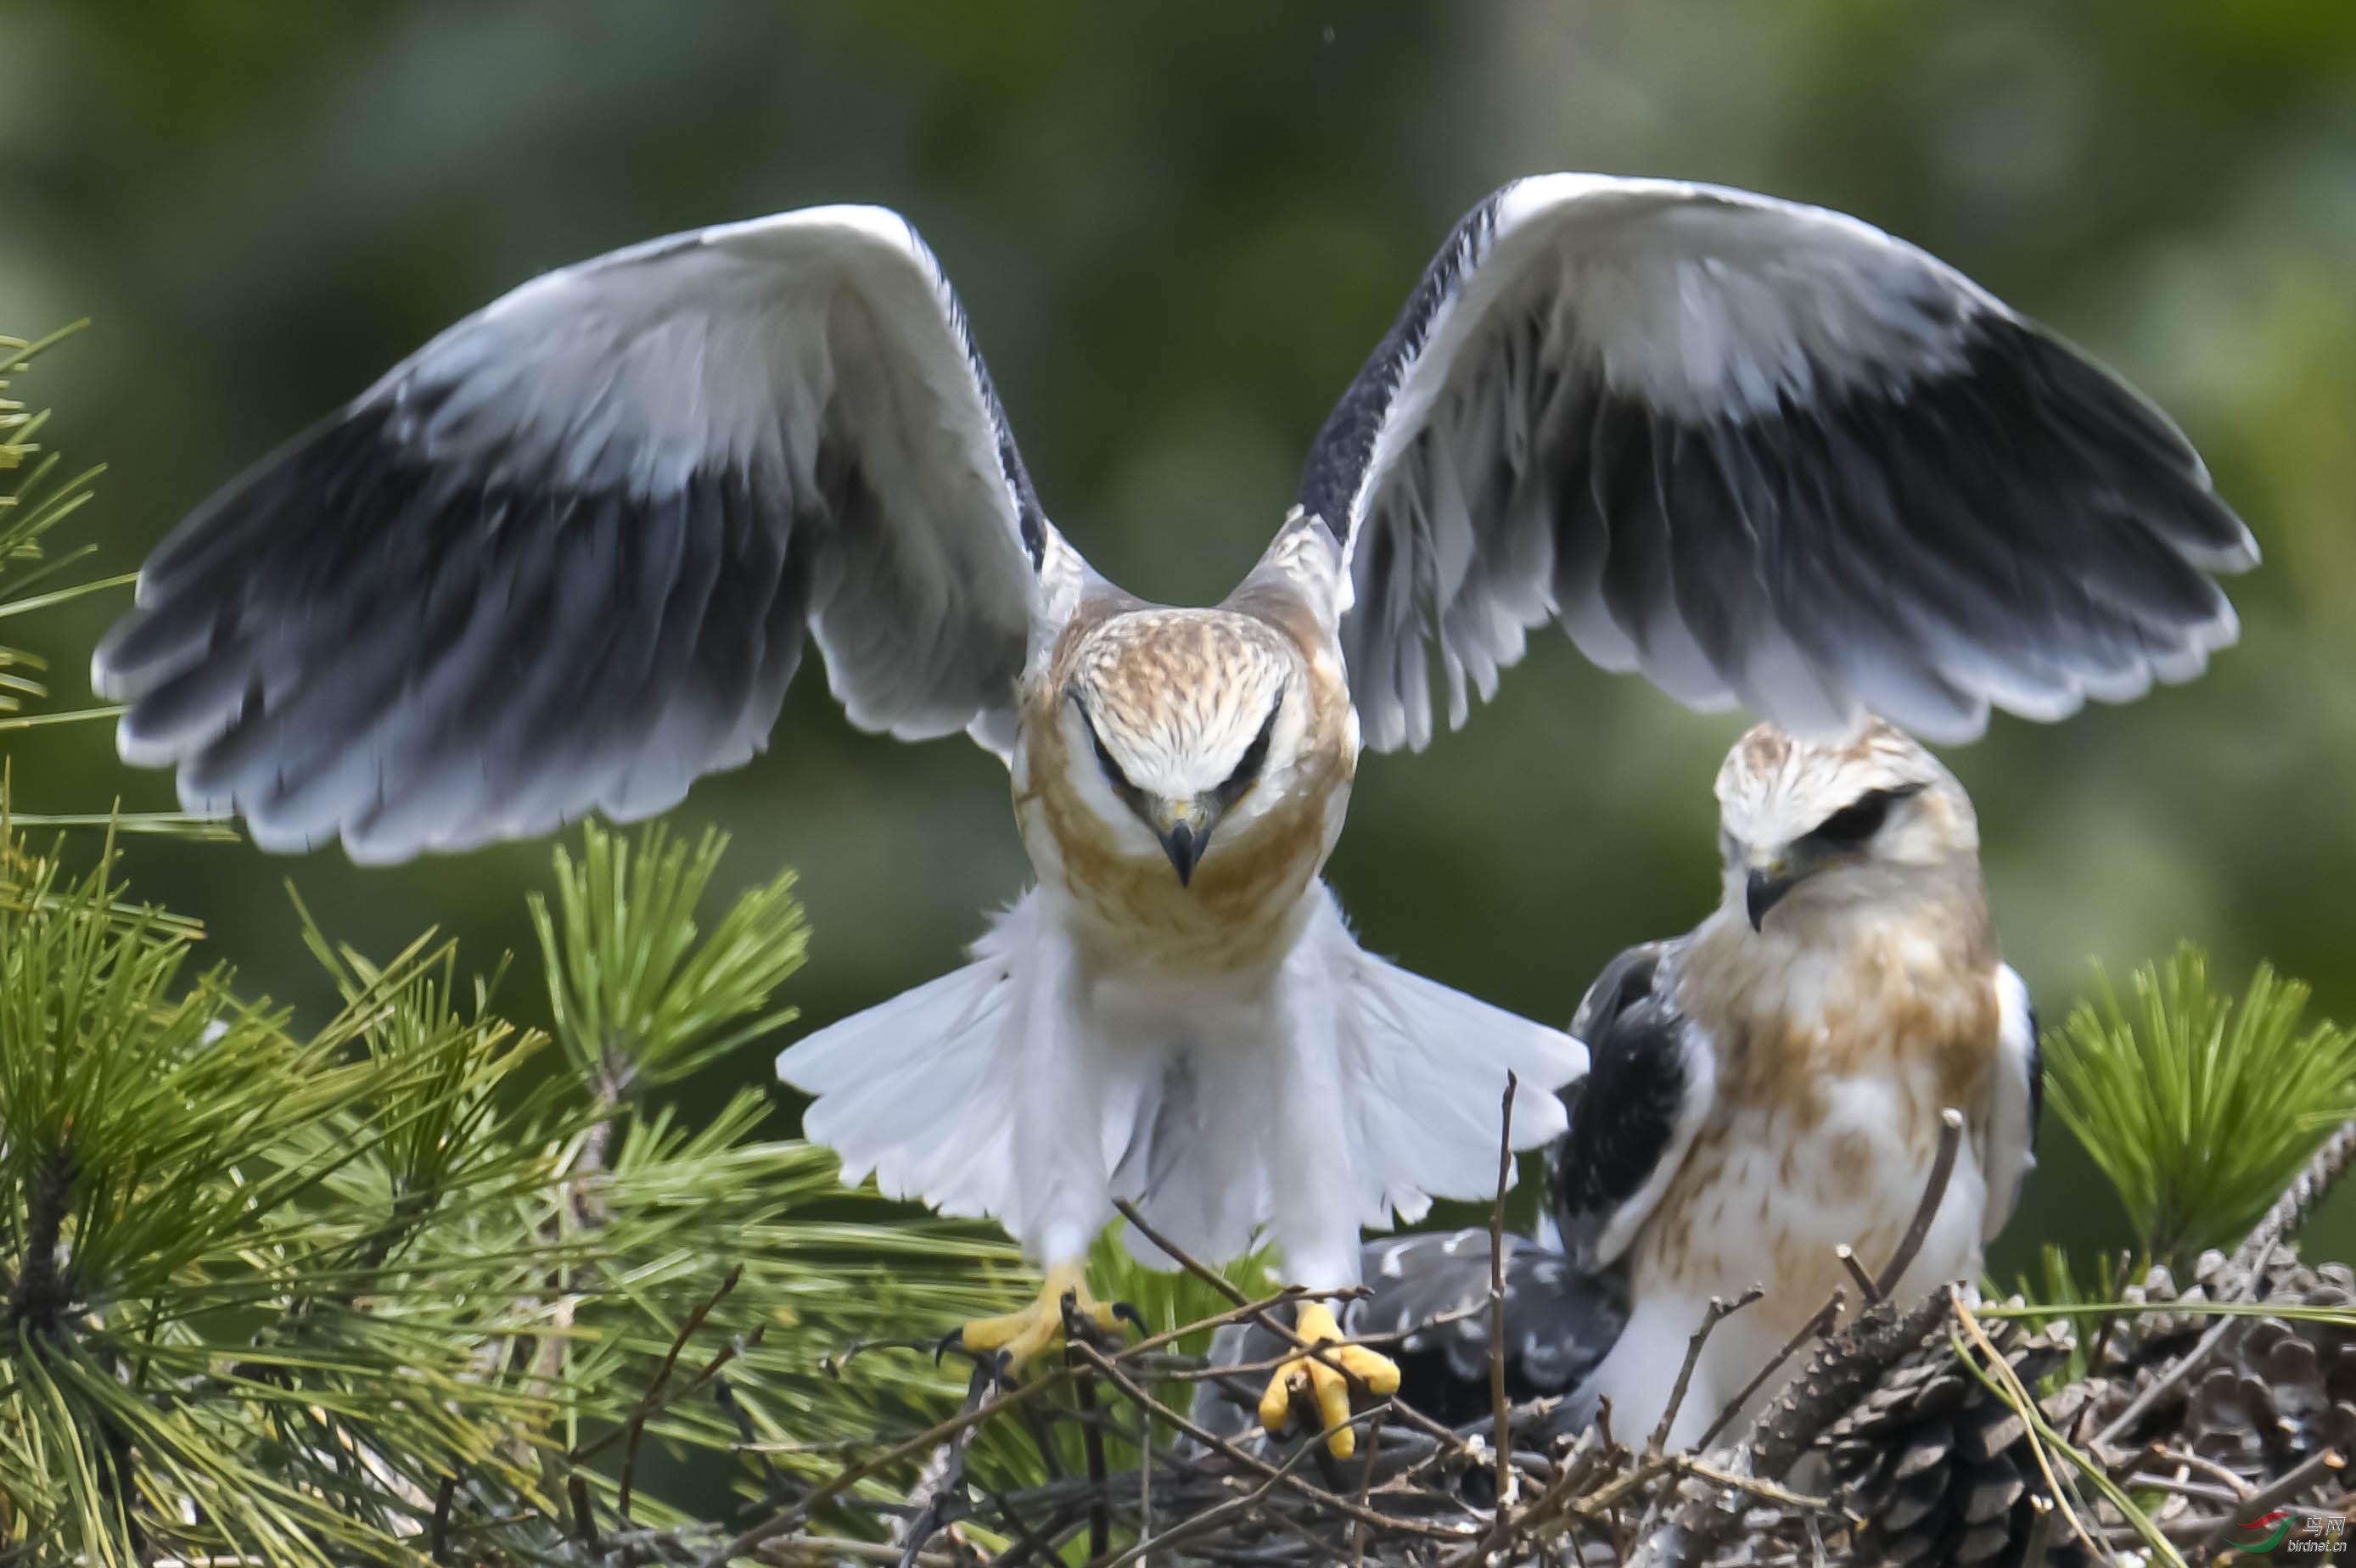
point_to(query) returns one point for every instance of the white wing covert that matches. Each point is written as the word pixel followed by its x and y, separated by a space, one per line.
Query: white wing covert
pixel 2011 1152
pixel 565 557
pixel 1763 452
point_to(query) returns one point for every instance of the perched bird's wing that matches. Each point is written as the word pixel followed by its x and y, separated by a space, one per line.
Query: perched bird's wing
pixel 1428 1310
pixel 2019 1100
pixel 1434 1290
pixel 1762 453
pixel 564 557
pixel 1650 1082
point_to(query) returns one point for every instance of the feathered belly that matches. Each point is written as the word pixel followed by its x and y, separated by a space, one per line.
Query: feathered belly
pixel 1766 1195
pixel 1831 1074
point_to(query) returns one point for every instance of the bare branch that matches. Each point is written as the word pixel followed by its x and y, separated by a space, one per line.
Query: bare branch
pixel 1935 1192
pixel 1716 1312
pixel 1501 1436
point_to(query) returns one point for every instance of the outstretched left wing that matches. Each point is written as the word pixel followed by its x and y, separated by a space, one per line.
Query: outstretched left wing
pixel 564 556
pixel 1763 452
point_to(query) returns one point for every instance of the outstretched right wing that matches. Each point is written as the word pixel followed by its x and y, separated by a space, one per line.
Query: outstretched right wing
pixel 564 557
pixel 1763 452
pixel 1650 1082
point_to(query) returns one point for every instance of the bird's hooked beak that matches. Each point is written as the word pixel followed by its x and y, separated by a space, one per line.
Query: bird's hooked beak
pixel 1184 828
pixel 1765 889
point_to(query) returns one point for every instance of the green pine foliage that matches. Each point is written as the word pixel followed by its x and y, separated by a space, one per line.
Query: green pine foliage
pixel 2199 1107
pixel 639 998
pixel 35 500
pixel 413 1277
pixel 319 1296
pixel 35 494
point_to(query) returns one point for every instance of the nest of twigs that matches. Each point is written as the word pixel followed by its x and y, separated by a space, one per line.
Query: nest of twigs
pixel 1923 1431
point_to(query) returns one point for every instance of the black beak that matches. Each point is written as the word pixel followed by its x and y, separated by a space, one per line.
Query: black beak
pixel 1762 893
pixel 1185 848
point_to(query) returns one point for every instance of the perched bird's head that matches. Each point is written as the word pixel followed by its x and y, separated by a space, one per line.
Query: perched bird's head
pixel 1827 825
pixel 1183 726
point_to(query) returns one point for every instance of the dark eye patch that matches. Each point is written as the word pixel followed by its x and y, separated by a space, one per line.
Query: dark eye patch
pixel 1255 758
pixel 1112 772
pixel 1861 818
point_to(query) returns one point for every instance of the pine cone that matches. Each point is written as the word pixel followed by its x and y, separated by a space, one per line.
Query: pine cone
pixel 2275 1390
pixel 1936 1464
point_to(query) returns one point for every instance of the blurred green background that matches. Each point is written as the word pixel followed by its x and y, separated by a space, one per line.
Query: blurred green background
pixel 1178 230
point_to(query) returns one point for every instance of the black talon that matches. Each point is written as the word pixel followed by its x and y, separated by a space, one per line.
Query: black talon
pixel 952 1341
pixel 1124 1312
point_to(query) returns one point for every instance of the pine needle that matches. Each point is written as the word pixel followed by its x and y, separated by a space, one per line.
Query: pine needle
pixel 2199 1107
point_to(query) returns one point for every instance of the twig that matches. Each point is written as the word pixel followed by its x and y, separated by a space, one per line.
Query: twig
pixel 2190 1362
pixel 2035 1553
pixel 1754 1484
pixel 583 1520
pixel 437 1535
pixel 946 1490
pixel 1145 1480
pixel 1840 1373
pixel 2199 1491
pixel 1716 1312
pixel 1258 1312
pixel 2209 1468
pixel 2299 1480
pixel 767 1529
pixel 1365 1485
pixel 1934 1192
pixel 1814 1327
pixel 774 1490
pixel 834 1548
pixel 648 1402
pixel 1044 1441
pixel 1084 1395
pixel 1120 1380
pixel 1244 1504
pixel 1572 1474
pixel 1192 1264
pixel 1501 1436
pixel 1867 1290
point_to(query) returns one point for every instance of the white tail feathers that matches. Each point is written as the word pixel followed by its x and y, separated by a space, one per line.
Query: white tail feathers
pixel 1424 1069
pixel 920 1090
pixel 1307 1102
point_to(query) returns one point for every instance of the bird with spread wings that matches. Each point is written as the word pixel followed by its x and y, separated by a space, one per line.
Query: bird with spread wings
pixel 566 557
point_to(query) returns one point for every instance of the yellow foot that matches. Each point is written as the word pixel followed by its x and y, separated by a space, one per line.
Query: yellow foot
pixel 1306 1374
pixel 1022 1335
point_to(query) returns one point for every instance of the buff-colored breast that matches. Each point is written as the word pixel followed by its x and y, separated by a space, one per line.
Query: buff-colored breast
pixel 1238 910
pixel 1831 1074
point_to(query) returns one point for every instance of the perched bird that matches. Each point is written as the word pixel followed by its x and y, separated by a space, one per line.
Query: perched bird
pixel 1764 1089
pixel 566 557
pixel 1769 1086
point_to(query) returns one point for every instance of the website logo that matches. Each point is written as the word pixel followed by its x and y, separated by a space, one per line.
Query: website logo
pixel 2267 1532
pixel 2294 1530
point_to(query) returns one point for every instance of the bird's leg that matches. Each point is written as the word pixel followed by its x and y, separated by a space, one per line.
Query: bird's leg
pixel 1326 1387
pixel 1022 1335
